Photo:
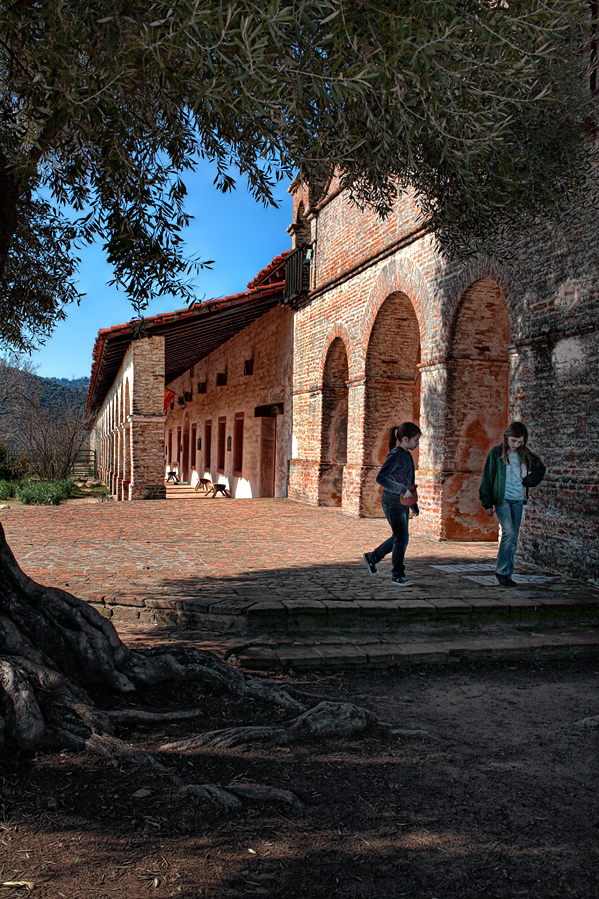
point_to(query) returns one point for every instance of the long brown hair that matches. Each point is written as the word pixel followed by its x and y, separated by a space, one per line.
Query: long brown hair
pixel 516 429
pixel 407 429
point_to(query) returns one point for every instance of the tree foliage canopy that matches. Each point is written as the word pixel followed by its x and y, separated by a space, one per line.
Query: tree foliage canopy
pixel 479 106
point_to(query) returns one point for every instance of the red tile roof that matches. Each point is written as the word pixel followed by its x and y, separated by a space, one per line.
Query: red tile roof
pixel 273 272
pixel 190 333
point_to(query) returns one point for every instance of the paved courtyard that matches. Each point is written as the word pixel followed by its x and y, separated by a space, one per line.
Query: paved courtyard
pixel 276 577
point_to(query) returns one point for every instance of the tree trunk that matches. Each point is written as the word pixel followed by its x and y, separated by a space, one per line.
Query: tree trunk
pixel 55 648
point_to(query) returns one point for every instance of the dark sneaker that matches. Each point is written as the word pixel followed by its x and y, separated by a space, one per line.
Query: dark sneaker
pixel 401 582
pixel 371 564
pixel 505 581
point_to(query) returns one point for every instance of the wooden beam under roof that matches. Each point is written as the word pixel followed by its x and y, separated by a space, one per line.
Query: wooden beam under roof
pixel 190 335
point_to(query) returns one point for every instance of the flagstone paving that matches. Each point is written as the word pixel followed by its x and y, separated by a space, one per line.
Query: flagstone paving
pixel 275 583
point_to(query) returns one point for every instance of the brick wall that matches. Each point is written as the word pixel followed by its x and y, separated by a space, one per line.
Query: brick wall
pixel 463 349
pixel 128 430
pixel 268 343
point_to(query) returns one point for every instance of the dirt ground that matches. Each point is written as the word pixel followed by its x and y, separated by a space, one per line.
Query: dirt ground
pixel 490 793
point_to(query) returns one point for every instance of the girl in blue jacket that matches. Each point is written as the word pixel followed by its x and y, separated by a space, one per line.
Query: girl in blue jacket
pixel 397 480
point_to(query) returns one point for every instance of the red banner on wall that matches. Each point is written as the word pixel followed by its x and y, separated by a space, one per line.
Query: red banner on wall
pixel 168 395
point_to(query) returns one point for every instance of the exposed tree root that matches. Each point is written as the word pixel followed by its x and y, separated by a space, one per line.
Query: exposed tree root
pixel 55 650
pixel 327 719
pixel 141 716
pixel 585 724
pixel 235 796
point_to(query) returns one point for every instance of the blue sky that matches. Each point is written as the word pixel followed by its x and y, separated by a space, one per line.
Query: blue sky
pixel 241 235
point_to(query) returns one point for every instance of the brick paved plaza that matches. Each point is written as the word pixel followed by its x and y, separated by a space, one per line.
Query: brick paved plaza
pixel 269 570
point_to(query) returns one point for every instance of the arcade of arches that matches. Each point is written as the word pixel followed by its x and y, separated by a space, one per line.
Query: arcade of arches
pixel 384 388
pixel 128 430
pixel 299 403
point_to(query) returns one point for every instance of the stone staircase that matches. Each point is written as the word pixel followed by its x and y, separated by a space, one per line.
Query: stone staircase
pixel 265 626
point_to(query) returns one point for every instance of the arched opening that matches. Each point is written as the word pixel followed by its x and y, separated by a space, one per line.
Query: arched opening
pixel 392 393
pixel 185 452
pixel 333 446
pixel 477 406
pixel 127 410
pixel 126 442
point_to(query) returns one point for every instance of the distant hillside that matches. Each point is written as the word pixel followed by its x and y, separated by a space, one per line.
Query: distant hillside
pixel 35 411
pixel 56 390
pixel 51 391
pixel 72 383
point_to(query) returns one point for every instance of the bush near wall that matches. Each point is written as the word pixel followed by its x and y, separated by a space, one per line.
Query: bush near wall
pixel 30 492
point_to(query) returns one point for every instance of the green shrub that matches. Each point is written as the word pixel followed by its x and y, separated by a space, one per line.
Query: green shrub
pixel 64 489
pixel 35 492
pixel 7 489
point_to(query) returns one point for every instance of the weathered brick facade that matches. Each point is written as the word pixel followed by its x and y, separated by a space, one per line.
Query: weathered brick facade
pixel 252 410
pixel 128 431
pixel 300 401
pixel 460 350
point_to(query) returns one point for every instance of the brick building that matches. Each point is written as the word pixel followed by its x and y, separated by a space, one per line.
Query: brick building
pixel 290 388
pixel 205 392
pixel 389 331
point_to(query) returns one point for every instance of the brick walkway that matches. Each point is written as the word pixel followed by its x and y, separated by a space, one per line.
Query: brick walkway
pixel 284 584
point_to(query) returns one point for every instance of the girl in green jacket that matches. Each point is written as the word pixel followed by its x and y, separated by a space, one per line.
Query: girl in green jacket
pixel 510 470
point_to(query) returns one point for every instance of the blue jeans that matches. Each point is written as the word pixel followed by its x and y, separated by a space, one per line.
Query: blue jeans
pixel 509 514
pixel 398 517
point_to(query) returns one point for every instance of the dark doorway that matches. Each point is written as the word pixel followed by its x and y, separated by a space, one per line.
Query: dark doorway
pixel 185 454
pixel 268 452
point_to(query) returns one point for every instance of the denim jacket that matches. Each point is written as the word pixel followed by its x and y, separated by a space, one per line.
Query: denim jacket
pixel 397 473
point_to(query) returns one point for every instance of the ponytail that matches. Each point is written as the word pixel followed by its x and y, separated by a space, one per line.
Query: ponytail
pixel 407 429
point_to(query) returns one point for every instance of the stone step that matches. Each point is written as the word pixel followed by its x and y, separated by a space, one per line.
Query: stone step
pixel 322 654
pixel 243 614
pixel 268 652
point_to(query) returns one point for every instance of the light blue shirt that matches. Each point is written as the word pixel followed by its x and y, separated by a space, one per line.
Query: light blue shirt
pixel 514 490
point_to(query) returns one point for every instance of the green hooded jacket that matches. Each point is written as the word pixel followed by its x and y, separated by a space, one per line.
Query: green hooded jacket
pixel 492 485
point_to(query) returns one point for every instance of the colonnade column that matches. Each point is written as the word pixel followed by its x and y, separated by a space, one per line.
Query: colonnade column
pixel 147 457
pixel 304 467
pixel 354 473
pixel 431 474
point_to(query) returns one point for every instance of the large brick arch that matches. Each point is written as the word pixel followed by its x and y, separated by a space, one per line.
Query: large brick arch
pixel 477 402
pixel 341 332
pixel 397 276
pixel 477 271
pixel 393 325
pixel 334 423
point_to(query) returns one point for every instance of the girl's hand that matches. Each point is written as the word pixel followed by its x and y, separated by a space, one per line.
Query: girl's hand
pixel 489 512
